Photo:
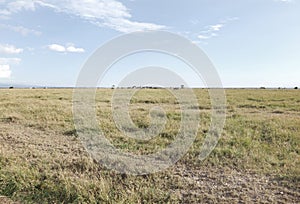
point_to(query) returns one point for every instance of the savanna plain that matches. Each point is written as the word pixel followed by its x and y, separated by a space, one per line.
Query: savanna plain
pixel 257 159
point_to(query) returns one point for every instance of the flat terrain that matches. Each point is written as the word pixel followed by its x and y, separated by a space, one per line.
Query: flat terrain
pixel 257 158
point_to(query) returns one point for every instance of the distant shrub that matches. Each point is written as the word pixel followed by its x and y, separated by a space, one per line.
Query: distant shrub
pixel 296 87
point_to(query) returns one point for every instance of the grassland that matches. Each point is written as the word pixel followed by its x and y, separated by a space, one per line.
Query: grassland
pixel 257 158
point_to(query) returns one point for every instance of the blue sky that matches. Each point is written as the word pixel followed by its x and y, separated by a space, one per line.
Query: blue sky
pixel 252 43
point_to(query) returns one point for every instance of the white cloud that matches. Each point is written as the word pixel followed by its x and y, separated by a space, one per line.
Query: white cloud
pixel 44 4
pixel 74 49
pixel 126 26
pixel 20 29
pixel 57 48
pixel 15 61
pixel 97 9
pixel 203 37
pixel 5 71
pixel 284 1
pixel 5 66
pixel 109 13
pixel 10 49
pixel 212 30
pixel 16 6
pixel 207 36
pixel 216 27
pixel 68 48
pixel 19 5
pixel 5 12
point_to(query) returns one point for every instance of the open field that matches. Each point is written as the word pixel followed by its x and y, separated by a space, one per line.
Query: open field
pixel 257 158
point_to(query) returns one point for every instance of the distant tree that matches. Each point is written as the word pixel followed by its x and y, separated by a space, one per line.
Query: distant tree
pixel 113 87
pixel 262 87
pixel 11 87
pixel 296 87
pixel 182 86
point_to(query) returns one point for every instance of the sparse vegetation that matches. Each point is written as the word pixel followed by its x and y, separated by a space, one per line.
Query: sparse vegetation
pixel 256 160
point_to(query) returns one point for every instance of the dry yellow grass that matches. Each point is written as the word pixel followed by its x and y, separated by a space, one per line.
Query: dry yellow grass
pixel 257 158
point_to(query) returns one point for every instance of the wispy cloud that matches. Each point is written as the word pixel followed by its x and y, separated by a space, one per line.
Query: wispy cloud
pixel 212 30
pixel 204 37
pixel 285 1
pixel 9 49
pixel 68 48
pixel 20 29
pixel 216 27
pixel 109 13
pixel 16 6
pixel 126 26
pixel 11 7
pixel 14 61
